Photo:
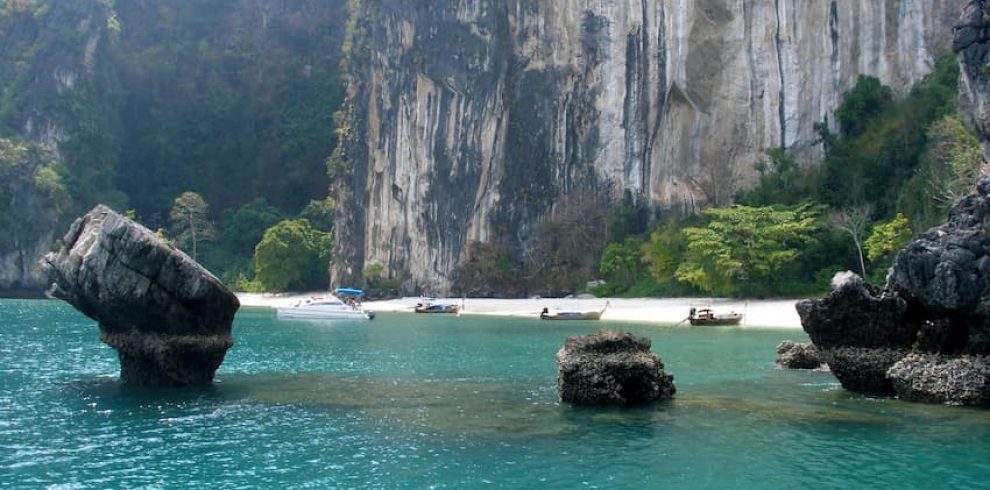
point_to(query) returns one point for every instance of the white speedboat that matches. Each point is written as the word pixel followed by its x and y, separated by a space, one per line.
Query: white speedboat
pixel 329 307
pixel 555 314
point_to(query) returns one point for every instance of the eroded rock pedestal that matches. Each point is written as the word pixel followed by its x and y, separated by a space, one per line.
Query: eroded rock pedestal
pixel 168 318
pixel 611 368
pixel 926 335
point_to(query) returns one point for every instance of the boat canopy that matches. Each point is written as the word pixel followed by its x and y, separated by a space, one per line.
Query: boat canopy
pixel 348 291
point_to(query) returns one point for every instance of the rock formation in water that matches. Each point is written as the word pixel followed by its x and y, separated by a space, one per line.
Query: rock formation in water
pixel 168 318
pixel 611 368
pixel 798 355
pixel 926 335
pixel 469 121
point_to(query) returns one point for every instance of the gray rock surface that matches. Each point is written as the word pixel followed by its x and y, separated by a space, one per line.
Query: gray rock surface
pixel 858 333
pixel 798 355
pixel 971 43
pixel 962 380
pixel 470 120
pixel 167 316
pixel 611 368
pixel 926 335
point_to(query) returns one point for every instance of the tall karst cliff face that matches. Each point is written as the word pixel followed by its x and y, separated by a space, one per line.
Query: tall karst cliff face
pixel 468 120
pixel 56 99
pixel 971 40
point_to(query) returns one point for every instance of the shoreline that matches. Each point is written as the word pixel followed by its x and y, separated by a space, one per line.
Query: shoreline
pixel 774 313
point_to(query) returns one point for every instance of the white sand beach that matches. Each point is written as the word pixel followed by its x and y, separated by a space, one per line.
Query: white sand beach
pixel 757 313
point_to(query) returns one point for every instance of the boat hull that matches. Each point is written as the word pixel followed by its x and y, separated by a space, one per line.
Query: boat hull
pixel 438 309
pixel 590 315
pixel 548 314
pixel 729 320
pixel 302 312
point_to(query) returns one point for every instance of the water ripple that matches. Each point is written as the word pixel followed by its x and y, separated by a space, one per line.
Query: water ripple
pixel 409 402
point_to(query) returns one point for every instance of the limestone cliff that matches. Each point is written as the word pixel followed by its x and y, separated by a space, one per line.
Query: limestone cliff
pixel 54 98
pixel 971 40
pixel 468 120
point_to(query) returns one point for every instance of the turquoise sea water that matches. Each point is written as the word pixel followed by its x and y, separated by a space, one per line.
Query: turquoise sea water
pixel 421 401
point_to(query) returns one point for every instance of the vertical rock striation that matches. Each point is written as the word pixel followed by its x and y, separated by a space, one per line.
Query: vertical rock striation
pixel 468 120
pixel 971 42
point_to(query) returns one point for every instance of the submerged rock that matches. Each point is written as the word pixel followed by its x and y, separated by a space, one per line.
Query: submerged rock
pixel 798 355
pixel 167 316
pixel 926 335
pixel 611 368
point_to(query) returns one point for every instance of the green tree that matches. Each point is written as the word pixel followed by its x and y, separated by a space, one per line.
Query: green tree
pixel 621 264
pixel 888 238
pixel 865 103
pixel 320 214
pixel 663 251
pixel 882 140
pixel 243 227
pixel 372 273
pixel 744 247
pixel 190 220
pixel 951 164
pixel 627 217
pixel 780 181
pixel 292 255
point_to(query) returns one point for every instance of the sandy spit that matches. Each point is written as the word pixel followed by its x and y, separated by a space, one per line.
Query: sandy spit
pixel 757 313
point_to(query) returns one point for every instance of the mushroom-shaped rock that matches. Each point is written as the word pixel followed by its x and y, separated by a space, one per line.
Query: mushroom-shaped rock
pixel 167 316
pixel 798 355
pixel 611 368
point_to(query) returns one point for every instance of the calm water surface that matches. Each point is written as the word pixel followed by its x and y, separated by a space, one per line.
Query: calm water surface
pixel 420 401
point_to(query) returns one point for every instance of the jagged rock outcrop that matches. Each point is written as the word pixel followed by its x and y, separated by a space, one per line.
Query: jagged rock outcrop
pixel 470 120
pixel 927 334
pixel 858 333
pixel 611 368
pixel 971 43
pixel 167 316
pixel 798 355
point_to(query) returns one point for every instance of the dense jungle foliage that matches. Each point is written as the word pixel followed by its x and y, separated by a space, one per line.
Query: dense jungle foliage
pixel 231 102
